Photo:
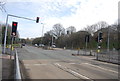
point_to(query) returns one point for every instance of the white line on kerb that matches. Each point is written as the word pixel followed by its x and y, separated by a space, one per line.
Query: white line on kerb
pixel 72 72
pixel 101 68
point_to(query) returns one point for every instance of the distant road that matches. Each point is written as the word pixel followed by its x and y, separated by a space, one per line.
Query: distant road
pixel 60 64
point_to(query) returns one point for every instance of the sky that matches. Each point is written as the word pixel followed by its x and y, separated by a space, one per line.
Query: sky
pixel 77 13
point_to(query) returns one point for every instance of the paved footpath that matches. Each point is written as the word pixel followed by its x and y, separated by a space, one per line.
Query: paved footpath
pixel 0 63
pixel 6 65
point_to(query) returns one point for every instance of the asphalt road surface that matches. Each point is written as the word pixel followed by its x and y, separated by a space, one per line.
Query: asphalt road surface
pixel 60 64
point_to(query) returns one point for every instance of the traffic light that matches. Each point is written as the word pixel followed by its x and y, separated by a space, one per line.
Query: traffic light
pixel 100 36
pixel 14 28
pixel 37 20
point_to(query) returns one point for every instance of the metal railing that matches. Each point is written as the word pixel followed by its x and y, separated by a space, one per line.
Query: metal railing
pixel 111 56
pixel 17 67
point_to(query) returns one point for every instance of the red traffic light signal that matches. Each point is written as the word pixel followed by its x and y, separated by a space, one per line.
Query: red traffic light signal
pixel 14 24
pixel 14 28
pixel 37 20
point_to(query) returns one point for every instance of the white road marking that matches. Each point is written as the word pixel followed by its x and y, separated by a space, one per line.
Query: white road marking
pixel 101 68
pixel 72 72
pixel 34 64
pixel 84 77
pixel 71 63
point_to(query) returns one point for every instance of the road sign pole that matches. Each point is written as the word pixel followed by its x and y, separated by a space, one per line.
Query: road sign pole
pixel 4 47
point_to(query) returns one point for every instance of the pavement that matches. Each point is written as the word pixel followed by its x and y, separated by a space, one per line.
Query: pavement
pixel 0 63
pixel 6 66
pixel 60 64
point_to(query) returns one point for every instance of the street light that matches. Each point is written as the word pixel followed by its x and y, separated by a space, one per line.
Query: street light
pixel 42 28
pixel 42 32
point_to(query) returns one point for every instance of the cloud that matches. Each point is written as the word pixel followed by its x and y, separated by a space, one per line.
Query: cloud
pixel 78 13
pixel 88 12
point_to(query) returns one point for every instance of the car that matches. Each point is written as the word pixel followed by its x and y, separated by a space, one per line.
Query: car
pixel 41 45
pixel 36 45
pixel 53 46
pixel 23 44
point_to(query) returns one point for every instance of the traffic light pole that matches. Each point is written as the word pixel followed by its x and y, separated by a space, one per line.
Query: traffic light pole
pixel 97 45
pixel 86 45
pixel 5 36
pixel 108 39
pixel 108 42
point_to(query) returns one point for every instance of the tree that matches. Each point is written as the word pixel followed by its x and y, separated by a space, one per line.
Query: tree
pixel 2 6
pixel 101 24
pixel 93 28
pixel 36 41
pixel 8 39
pixel 58 30
pixel 71 30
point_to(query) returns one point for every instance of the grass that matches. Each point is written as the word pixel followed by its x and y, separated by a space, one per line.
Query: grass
pixel 14 45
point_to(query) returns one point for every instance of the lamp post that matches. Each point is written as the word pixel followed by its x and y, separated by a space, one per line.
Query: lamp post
pixel 42 32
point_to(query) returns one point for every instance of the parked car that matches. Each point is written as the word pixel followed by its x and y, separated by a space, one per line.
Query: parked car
pixel 41 45
pixel 53 46
pixel 23 44
pixel 36 45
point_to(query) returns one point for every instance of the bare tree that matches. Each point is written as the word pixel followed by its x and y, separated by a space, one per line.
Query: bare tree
pixel 93 28
pixel 101 24
pixel 58 30
pixel 71 30
pixel 2 6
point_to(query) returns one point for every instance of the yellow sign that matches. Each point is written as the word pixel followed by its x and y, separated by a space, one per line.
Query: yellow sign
pixel 98 50
pixel 12 48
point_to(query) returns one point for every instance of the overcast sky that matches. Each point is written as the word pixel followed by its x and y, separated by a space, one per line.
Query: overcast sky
pixel 78 13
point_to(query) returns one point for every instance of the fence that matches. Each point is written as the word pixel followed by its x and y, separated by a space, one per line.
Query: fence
pixel 111 56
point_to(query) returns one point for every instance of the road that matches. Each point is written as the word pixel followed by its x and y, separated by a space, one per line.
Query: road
pixel 60 64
